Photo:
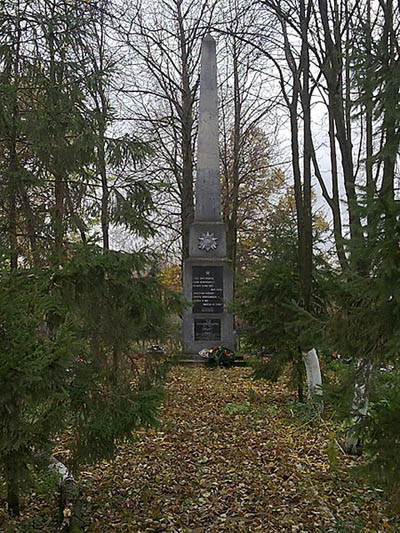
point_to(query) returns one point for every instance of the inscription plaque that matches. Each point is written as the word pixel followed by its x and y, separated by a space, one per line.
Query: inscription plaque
pixel 207 329
pixel 207 289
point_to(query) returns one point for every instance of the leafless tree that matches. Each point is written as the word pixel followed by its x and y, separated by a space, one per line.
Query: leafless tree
pixel 246 109
pixel 163 39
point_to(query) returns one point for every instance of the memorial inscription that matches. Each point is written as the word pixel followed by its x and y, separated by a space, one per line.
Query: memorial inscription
pixel 207 272
pixel 207 329
pixel 207 289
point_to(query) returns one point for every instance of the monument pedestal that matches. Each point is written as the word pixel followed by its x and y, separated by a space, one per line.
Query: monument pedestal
pixel 208 286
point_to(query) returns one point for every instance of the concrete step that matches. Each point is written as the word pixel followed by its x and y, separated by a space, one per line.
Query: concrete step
pixel 195 359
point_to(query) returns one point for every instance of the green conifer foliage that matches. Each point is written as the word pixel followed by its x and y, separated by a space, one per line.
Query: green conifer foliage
pixel 116 299
pixel 269 304
pixel 33 370
pixel 383 436
pixel 364 323
pixel 66 360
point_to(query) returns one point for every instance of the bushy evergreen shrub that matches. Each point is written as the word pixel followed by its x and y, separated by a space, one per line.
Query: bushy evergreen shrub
pixel 33 372
pixel 269 304
pixel 364 323
pixel 66 364
pixel 381 435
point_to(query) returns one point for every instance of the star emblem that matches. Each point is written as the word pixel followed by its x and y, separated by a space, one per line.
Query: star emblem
pixel 207 241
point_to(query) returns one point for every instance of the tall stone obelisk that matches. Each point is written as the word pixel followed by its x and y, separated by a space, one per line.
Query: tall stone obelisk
pixel 207 272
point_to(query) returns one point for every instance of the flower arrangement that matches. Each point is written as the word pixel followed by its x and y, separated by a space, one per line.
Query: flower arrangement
pixel 218 356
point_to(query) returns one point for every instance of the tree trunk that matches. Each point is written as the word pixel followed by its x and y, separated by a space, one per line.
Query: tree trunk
pixel 79 223
pixel 337 219
pixel 12 489
pixel 235 164
pixel 332 70
pixel 27 213
pixel 369 120
pixel 306 237
pixel 69 503
pixel 102 103
pixel 353 444
pixel 302 181
pixel 299 376
pixel 13 224
pixel 187 193
pixel 314 380
pixel 58 170
pixel 12 71
pixel 58 219
pixel 390 103
pixel 102 169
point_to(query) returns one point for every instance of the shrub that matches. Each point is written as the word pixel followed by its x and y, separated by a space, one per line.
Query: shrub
pixel 65 341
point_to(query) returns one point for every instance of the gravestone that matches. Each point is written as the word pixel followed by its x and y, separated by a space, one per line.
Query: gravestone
pixel 207 272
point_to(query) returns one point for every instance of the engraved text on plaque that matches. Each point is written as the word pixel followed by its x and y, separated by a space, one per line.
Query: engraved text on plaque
pixel 207 289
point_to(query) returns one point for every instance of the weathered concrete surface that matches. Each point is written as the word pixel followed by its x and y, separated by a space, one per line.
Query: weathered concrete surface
pixel 190 344
pixel 213 325
pixel 198 229
pixel 208 188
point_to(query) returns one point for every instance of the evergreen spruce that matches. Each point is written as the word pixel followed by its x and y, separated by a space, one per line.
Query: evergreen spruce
pixel 270 305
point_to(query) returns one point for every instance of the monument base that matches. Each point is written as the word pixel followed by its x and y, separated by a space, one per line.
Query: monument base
pixel 207 283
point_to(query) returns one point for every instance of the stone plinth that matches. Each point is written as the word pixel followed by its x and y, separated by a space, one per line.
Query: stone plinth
pixel 208 286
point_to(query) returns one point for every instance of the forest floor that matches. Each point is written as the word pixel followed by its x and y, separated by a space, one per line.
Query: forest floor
pixel 231 455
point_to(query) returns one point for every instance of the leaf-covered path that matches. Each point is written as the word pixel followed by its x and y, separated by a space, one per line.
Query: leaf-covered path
pixel 230 456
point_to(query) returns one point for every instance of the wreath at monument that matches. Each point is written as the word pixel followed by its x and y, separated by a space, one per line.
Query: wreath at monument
pixel 218 356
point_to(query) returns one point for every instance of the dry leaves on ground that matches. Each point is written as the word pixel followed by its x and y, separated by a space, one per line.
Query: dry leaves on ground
pixel 230 456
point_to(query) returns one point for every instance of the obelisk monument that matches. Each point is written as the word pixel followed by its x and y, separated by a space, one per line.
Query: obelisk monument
pixel 207 272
